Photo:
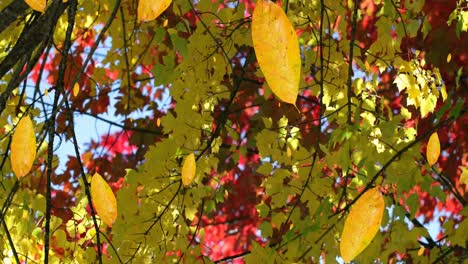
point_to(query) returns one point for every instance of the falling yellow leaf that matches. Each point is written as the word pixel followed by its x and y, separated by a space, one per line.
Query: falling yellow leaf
pixel 433 149
pixel 151 9
pixel 449 57
pixel 189 169
pixel 103 199
pixel 362 224
pixel 443 92
pixel 23 147
pixel 464 176
pixel 421 251
pixel 288 152
pixel 38 5
pixel 277 50
pixel 76 89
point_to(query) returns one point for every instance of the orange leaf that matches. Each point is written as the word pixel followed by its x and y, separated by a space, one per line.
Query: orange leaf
pixel 277 50
pixel 38 5
pixel 433 149
pixel 103 199
pixel 23 147
pixel 151 9
pixel 76 89
pixel 189 169
pixel 362 224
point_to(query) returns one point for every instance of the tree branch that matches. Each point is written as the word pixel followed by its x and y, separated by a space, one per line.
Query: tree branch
pixel 351 54
pixel 39 32
pixel 10 13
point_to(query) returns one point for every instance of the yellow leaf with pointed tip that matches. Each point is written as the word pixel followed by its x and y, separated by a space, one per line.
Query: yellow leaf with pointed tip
pixel 103 199
pixel 433 149
pixel 421 251
pixel 189 168
pixel 76 89
pixel 362 224
pixel 151 9
pixel 449 57
pixel 23 147
pixel 277 50
pixel 38 5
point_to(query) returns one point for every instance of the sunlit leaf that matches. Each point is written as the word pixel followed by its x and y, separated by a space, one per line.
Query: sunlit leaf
pixel 464 176
pixel 151 9
pixel 277 50
pixel 362 224
pixel 421 251
pixel 38 5
pixel 433 149
pixel 189 169
pixel 23 147
pixel 103 199
pixel 443 91
pixel 76 89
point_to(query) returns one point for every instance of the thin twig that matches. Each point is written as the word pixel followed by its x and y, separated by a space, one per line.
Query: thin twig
pixel 351 54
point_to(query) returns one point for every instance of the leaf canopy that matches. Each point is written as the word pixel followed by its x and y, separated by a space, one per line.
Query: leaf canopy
pixel 233 131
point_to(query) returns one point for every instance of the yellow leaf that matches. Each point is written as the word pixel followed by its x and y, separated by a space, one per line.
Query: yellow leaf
pixel 189 169
pixel 443 91
pixel 103 199
pixel 449 57
pixel 23 147
pixel 464 176
pixel 421 251
pixel 277 50
pixel 151 9
pixel 38 5
pixel 76 89
pixel 433 149
pixel 362 224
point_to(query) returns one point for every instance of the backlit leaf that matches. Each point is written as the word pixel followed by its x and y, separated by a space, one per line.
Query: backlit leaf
pixel 277 50
pixel 103 199
pixel 464 176
pixel 362 224
pixel 38 5
pixel 433 149
pixel 151 9
pixel 76 89
pixel 23 147
pixel 421 251
pixel 189 169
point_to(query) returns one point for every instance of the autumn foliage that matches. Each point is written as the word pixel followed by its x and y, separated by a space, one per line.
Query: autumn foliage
pixel 233 131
